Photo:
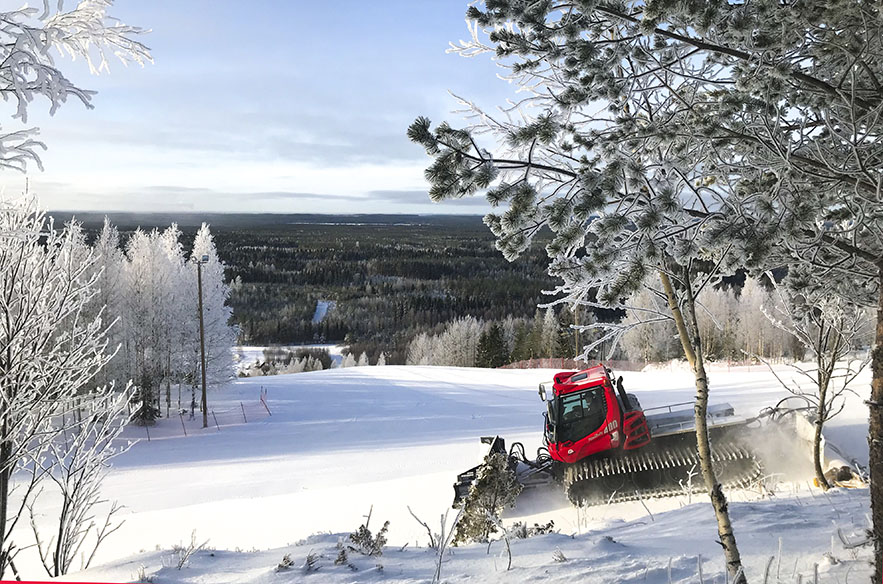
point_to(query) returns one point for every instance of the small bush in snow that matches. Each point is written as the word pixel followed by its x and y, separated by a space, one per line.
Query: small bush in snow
pixel 364 542
pixel 311 563
pixel 343 559
pixel 494 489
pixel 285 564
pixel 559 556
pixel 522 531
pixel 182 553
pixel 142 577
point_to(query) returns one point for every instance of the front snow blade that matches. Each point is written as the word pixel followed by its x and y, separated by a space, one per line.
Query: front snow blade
pixel 667 467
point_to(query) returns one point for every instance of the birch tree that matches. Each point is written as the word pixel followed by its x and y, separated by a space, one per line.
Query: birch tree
pixel 109 268
pixel 76 465
pixel 829 328
pixel 50 350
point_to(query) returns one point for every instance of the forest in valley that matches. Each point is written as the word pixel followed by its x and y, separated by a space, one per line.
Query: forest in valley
pixel 433 290
pixel 390 278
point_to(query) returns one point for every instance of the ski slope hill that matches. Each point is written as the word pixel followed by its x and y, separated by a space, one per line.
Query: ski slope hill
pixel 343 440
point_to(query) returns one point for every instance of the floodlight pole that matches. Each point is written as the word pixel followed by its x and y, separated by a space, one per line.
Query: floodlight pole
pixel 202 339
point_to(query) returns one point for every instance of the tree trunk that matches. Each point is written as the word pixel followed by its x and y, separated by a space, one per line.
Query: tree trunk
pixel 824 378
pixel 875 435
pixel 5 475
pixel 168 383
pixel 693 351
pixel 817 447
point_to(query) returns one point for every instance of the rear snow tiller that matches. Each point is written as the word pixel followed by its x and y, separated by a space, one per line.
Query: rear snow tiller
pixel 605 448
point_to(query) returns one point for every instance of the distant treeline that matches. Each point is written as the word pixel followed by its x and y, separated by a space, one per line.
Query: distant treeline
pixel 390 277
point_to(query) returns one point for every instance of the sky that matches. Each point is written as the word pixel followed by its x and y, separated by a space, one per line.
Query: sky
pixel 262 106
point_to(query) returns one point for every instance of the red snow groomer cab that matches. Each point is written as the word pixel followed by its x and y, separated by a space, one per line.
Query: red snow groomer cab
pixel 587 415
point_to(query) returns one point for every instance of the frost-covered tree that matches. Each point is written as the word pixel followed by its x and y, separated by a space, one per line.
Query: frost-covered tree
pixel 495 488
pixel 458 344
pixel 109 267
pixel 220 333
pixel 350 361
pixel 588 153
pixel 31 40
pixel 510 327
pixel 50 350
pixel 649 336
pixel 173 312
pixel 381 360
pixel 76 465
pixel 829 328
pixel 549 336
pixel 146 278
pixel 755 334
pixel 363 360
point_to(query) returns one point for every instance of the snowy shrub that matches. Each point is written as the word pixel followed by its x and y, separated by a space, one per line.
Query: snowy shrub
pixel 285 564
pixel 494 489
pixel 142 577
pixel 366 543
pixel 558 556
pixel 181 554
pixel 311 563
pixel 342 557
pixel 522 531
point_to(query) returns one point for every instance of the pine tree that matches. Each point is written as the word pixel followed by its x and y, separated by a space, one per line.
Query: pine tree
pixel 491 351
pixel 495 488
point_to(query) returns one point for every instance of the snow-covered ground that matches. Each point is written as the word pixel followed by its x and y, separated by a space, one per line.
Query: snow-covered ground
pixel 322 308
pixel 341 440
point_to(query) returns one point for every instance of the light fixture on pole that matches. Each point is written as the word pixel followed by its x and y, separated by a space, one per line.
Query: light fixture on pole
pixel 199 263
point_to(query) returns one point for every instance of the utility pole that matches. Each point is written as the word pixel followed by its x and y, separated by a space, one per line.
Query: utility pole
pixel 199 263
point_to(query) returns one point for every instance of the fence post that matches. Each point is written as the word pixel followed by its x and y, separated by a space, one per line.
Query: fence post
pixel 182 424
pixel 264 401
pixel 218 426
pixel 243 412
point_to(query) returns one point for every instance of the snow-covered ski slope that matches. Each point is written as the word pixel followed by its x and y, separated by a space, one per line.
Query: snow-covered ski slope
pixel 342 440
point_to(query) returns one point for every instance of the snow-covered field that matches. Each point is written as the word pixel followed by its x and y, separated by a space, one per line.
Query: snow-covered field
pixel 341 440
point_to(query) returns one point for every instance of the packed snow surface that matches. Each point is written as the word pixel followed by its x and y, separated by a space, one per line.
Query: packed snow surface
pixel 322 308
pixel 304 471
